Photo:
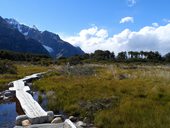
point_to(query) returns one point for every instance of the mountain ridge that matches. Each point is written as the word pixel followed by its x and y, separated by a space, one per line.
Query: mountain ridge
pixel 50 41
pixel 13 40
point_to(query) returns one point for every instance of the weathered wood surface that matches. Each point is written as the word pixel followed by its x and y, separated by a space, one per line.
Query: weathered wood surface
pixel 31 108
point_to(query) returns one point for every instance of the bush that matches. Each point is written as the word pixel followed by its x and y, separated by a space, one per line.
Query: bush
pixel 167 57
pixel 7 67
pixel 77 70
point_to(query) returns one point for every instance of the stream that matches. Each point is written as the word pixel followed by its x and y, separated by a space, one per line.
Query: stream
pixel 9 110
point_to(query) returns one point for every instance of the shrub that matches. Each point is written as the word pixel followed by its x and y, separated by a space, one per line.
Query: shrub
pixel 7 67
pixel 77 70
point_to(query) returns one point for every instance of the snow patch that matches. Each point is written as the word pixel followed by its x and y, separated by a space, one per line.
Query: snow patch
pixel 21 31
pixel 49 49
pixel 34 27
pixel 12 21
pixel 25 33
pixel 19 28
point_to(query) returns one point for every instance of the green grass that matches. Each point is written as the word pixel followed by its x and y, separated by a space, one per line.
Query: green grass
pixel 22 71
pixel 142 95
pixel 110 96
pixel 28 69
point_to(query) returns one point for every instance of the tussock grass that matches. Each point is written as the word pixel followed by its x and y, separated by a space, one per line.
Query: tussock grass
pixel 22 71
pixel 28 69
pixel 142 95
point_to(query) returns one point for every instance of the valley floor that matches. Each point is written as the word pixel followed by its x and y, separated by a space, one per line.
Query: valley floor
pixel 110 96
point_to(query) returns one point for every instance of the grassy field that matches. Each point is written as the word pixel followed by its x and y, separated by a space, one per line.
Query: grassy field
pixel 111 96
pixel 22 71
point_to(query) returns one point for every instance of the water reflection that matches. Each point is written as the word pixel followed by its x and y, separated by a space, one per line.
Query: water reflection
pixel 7 115
pixel 11 109
pixel 19 109
pixel 44 101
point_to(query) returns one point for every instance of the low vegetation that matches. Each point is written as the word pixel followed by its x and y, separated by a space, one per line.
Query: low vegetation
pixel 100 56
pixel 11 71
pixel 27 57
pixel 130 90
pixel 117 95
pixel 7 67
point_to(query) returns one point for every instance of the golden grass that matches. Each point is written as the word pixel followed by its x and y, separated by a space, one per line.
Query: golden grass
pixel 142 95
pixel 22 71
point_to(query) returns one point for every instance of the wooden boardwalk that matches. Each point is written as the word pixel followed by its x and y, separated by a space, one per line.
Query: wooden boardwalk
pixel 31 108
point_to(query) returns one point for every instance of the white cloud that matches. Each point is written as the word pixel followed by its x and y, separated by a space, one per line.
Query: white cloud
pixel 147 38
pixel 155 24
pixel 126 20
pixel 89 38
pixel 131 3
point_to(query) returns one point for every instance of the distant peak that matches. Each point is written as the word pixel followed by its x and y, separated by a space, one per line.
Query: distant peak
pixel 52 35
pixel 34 27
pixel 12 21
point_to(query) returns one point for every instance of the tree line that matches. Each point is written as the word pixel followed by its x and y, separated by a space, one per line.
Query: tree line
pixel 107 56
pixel 97 56
pixel 27 57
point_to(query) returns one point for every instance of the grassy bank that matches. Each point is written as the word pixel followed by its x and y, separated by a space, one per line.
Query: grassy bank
pixel 21 71
pixel 108 95
pixel 119 96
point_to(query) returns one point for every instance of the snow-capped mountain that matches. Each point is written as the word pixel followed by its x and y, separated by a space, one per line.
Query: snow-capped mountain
pixel 50 41
pixel 13 40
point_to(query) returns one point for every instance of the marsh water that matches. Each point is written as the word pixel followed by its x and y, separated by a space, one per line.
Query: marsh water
pixel 7 115
pixel 11 109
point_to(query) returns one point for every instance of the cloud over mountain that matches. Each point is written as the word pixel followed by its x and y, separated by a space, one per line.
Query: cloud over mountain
pixel 154 38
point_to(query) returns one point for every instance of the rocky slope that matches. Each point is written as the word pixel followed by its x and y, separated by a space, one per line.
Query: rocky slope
pixel 12 39
pixel 50 41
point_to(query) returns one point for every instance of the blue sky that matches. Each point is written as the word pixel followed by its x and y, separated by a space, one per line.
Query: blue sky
pixel 70 17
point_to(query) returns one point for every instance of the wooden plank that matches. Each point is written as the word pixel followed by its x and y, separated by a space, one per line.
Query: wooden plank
pixel 31 108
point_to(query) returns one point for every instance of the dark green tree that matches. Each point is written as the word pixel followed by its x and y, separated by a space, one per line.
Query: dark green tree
pixel 122 56
pixel 167 57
